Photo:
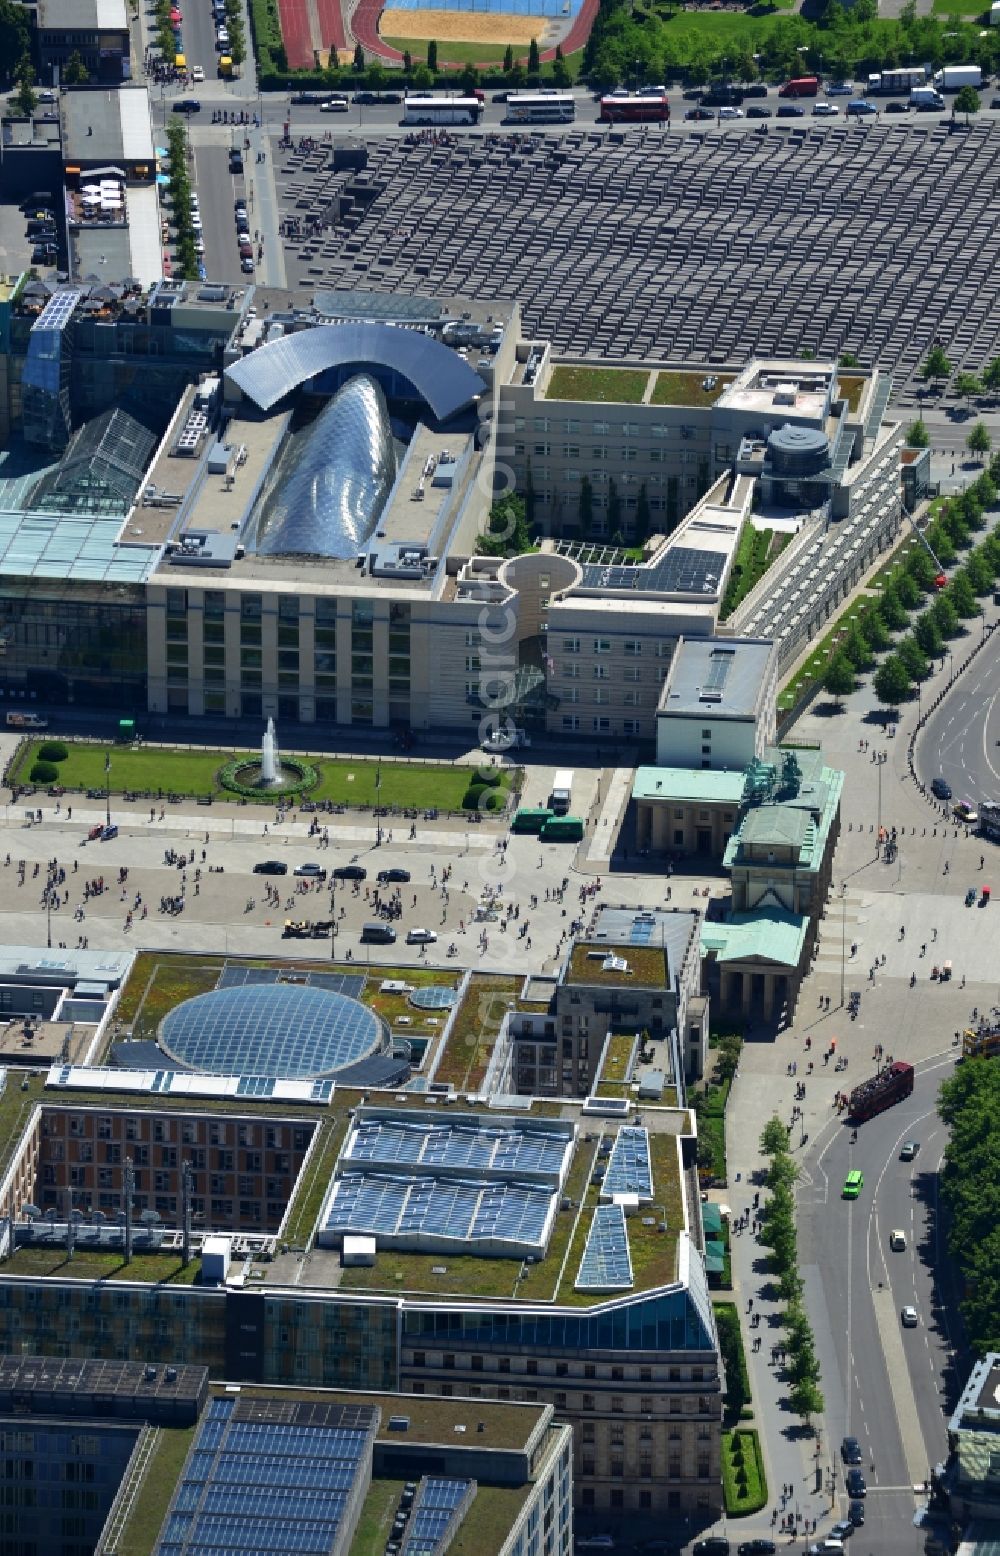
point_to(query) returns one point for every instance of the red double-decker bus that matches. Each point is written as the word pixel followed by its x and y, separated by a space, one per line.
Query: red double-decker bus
pixel 644 108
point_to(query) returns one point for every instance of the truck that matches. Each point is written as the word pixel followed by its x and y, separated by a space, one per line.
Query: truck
pixel 27 721
pixel 953 77
pixel 927 98
pixel 989 821
pixel 800 86
pixel 890 1085
pixel 561 794
pixel 893 82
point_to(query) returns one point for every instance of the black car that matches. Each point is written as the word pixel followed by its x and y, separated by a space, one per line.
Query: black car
pixel 350 872
pixel 941 789
pixel 995 102
pixel 395 874
pixel 499 97
pixel 715 1545
pixel 308 97
pixel 270 867
pixel 760 113
pixel 699 113
pixel 187 105
pixel 850 1450
pixel 856 1513
pixel 47 256
pixel 235 162
pixel 757 1548
pixel 722 98
pixel 755 89
pixel 897 107
pixel 856 1484
pixel 791 111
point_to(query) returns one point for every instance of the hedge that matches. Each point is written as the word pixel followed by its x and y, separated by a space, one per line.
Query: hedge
pixel 53 751
pixel 744 1484
pixel 44 772
pixel 733 1358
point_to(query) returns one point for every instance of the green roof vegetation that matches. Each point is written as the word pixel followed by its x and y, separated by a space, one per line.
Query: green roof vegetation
pixel 376 1517
pixel 487 1524
pixel 161 770
pixel 687 388
pixel 647 965
pixel 154 1269
pixel 475 1030
pixel 137 1536
pixel 602 385
pixel 851 390
pixel 617 1053
pixel 314 1179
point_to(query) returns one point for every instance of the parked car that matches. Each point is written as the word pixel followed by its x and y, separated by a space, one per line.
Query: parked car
pixel 729 112
pixel 595 1542
pixel 755 89
pixel 246 265
pixel 420 937
pixel 839 89
pixel 350 872
pixel 315 871
pixel 790 111
pixel 188 105
pixel 859 108
pixel 698 113
pixel 335 105
pixel 395 874
pixel 755 111
pixel 270 867
pixel 715 1545
pixel 897 107
pixel 825 111
pixel 757 1548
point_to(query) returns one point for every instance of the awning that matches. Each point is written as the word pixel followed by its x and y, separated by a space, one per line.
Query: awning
pixel 711 1217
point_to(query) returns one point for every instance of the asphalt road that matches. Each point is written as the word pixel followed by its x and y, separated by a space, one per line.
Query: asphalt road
pixel 217 191
pixel 961 739
pixel 884 1384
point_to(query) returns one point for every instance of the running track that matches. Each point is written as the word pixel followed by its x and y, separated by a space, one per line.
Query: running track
pixel 364 26
pixel 297 32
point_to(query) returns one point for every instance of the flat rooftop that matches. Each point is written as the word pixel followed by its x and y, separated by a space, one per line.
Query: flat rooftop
pixel 617 966
pixel 717 677
pixel 106 125
pixel 88 14
pixel 688 783
pixel 782 387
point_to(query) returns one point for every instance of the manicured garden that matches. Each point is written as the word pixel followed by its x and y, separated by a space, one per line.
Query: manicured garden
pixel 156 772
pixel 744 1483
pixel 688 388
pixel 597 385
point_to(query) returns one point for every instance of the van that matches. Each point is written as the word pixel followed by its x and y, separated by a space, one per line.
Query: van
pixel 378 934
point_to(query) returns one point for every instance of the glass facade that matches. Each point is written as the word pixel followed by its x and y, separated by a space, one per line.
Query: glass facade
pixel 46 375
pixel 85 643
pixel 101 471
pixel 662 1322
pixel 57 1483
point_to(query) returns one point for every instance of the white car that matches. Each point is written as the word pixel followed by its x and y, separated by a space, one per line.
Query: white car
pixel 897 1240
pixel 825 111
pixel 197 73
pixel 199 245
pixel 335 105
pixel 908 1318
pixel 420 937
pixel 730 113
pixel 196 221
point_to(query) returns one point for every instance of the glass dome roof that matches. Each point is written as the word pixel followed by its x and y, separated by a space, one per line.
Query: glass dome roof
pixel 286 1031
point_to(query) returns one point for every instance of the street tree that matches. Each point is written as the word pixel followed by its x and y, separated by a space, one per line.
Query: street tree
pixel 936 366
pixel 806 1399
pixel 856 650
pixel 432 56
pixel 907 589
pixel 891 609
pixel 945 616
pixel 979 441
pixel 892 682
pixel 979 572
pixel 359 57
pixel 874 630
pixel 967 386
pixel 917 435
pixel 967 101
pixel 962 597
pixel 774 1137
pixel 26 98
pixel 561 76
pixel 839 678
pixel 914 658
pixel 75 72
pixel 14 35
pixel 926 634
pixel 991 376
pixel 534 62
pixel 919 567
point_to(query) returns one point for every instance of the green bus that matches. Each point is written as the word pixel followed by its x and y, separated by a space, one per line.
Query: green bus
pixel 530 821
pixel 562 829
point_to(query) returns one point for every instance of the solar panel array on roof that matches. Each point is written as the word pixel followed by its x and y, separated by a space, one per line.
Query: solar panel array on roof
pixel 274 1481
pixel 428 1212
pixel 629 1169
pixel 680 570
pixel 440 1504
pixel 606 1264
pixel 477 1144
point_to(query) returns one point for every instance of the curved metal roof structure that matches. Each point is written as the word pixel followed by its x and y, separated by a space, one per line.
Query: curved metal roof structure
pixel 438 374
pixel 332 485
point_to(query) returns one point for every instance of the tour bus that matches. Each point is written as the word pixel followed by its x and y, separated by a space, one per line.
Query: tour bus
pixel 424 108
pixel 26 721
pixel 541 108
pixel 651 107
pixel 530 820
pixel 562 829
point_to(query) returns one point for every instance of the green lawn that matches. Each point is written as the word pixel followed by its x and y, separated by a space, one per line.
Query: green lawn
pixel 600 385
pixel 452 53
pixel 744 1484
pixel 686 388
pixel 162 771
pixel 852 389
pixel 476 1028
pixel 376 1517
